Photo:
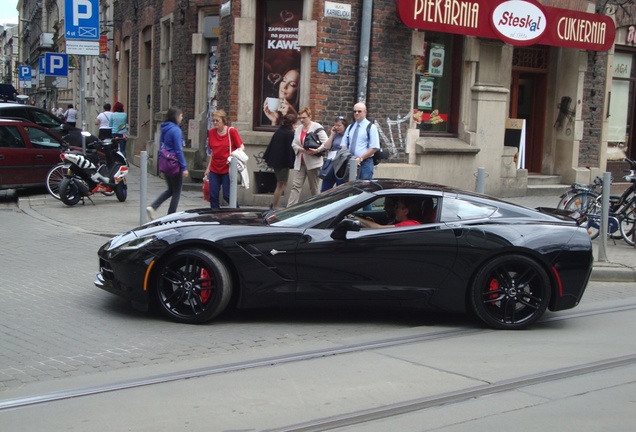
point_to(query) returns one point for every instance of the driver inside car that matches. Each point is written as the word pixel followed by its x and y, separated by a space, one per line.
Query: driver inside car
pixel 407 212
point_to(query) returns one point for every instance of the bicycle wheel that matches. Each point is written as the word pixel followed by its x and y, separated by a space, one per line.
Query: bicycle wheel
pixel 627 223
pixel 581 201
pixel 593 214
pixel 53 179
pixel 565 198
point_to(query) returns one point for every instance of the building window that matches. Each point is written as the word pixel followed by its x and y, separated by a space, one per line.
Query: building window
pixel 165 60
pixel 620 113
pixel 278 71
pixel 436 93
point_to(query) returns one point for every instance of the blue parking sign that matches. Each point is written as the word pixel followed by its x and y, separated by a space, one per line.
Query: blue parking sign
pixel 56 64
pixel 82 19
pixel 25 73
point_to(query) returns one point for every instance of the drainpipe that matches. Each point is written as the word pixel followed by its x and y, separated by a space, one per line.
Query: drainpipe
pixel 365 42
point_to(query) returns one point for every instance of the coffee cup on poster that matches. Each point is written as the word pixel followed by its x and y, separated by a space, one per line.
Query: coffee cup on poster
pixel 273 104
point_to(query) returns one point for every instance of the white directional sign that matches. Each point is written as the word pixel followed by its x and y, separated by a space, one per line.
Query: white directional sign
pixel 25 76
pixel 56 64
pixel 82 19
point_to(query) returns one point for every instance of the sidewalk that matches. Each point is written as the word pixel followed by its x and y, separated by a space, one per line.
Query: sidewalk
pixel 108 217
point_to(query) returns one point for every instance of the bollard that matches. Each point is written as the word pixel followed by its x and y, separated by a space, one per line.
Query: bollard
pixel 233 181
pixel 143 186
pixel 605 193
pixel 480 186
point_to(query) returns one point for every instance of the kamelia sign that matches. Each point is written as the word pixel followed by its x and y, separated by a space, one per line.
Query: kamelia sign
pixel 517 22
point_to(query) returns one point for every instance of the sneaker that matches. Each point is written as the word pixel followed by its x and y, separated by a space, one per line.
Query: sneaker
pixel 152 214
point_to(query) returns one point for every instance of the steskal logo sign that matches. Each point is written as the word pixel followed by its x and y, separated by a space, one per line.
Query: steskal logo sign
pixel 519 22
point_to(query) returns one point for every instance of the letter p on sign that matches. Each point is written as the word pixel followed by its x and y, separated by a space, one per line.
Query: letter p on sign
pixel 83 11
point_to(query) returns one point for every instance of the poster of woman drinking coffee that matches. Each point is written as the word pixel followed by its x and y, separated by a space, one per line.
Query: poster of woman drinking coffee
pixel 281 61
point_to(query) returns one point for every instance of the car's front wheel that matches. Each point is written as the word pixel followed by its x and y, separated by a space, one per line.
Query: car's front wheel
pixel 193 286
pixel 510 292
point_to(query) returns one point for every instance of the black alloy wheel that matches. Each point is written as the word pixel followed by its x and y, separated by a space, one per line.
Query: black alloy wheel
pixel 511 292
pixel 69 192
pixel 193 286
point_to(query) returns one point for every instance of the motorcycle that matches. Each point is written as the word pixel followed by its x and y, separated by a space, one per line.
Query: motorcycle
pixel 85 176
pixel 59 171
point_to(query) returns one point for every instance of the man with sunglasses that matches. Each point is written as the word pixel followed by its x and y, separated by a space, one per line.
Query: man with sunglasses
pixel 362 145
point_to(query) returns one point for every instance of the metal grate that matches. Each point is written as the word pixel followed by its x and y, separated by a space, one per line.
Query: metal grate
pixel 531 59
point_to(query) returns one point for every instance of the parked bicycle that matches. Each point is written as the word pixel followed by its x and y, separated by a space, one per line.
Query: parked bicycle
pixel 580 195
pixel 622 211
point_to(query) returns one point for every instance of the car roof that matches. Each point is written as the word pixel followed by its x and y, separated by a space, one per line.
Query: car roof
pixel 377 185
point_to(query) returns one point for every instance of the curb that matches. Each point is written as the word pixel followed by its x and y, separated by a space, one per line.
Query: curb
pixel 613 274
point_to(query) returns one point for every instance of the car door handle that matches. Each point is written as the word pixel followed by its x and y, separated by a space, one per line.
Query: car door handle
pixel 39 156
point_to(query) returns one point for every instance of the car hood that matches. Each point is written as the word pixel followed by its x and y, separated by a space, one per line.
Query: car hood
pixel 169 225
pixel 252 217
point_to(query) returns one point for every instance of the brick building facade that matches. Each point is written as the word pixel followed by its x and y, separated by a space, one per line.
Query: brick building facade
pixel 161 53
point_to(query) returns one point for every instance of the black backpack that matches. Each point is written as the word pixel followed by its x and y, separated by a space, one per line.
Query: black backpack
pixel 378 156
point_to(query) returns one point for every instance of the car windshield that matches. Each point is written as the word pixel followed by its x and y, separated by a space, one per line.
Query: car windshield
pixel 315 208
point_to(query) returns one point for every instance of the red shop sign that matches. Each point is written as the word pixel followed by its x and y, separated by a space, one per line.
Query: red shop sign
pixel 103 44
pixel 517 22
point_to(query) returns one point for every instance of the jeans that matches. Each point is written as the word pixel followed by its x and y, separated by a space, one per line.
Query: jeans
pixel 122 143
pixel 366 170
pixel 218 181
pixel 329 182
pixel 174 184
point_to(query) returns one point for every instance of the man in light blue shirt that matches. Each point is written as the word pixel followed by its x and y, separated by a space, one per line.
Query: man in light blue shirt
pixel 362 145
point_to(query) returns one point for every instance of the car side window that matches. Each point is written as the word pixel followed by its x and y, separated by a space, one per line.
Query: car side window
pixel 45 119
pixel 17 113
pixel 455 210
pixel 40 139
pixel 10 137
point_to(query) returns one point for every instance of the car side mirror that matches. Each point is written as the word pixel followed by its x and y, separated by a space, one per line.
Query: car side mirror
pixel 345 225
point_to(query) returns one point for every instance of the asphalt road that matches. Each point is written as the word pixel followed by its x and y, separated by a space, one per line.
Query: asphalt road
pixel 60 335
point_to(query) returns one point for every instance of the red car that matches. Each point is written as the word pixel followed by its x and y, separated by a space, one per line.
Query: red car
pixel 27 153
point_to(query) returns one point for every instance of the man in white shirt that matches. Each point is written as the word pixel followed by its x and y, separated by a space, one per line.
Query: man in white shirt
pixel 362 144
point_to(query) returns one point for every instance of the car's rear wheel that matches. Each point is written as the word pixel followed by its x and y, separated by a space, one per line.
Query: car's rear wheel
pixel 69 192
pixel 510 292
pixel 54 178
pixel 193 286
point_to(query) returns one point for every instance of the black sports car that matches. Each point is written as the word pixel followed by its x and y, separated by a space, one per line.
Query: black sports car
pixel 466 252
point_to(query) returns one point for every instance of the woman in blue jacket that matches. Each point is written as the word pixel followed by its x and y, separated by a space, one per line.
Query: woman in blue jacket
pixel 172 140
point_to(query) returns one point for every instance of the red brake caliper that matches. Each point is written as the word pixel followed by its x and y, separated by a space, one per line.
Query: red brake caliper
pixel 494 286
pixel 205 293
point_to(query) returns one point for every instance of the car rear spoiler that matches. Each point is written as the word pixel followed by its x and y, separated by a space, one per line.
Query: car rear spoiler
pixel 571 215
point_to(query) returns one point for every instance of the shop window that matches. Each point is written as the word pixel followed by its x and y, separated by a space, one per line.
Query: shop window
pixel 437 77
pixel 278 69
pixel 621 106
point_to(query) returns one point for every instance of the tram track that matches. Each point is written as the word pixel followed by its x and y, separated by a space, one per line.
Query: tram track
pixel 364 416
pixel 24 402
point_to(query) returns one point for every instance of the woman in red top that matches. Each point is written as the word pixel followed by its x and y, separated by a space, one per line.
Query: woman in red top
pixel 222 141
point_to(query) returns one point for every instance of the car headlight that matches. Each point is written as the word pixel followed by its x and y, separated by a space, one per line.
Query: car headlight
pixel 137 243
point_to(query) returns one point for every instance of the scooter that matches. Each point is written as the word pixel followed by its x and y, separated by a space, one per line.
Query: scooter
pixel 85 178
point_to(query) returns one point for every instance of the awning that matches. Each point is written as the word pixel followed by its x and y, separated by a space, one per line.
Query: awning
pixel 517 22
